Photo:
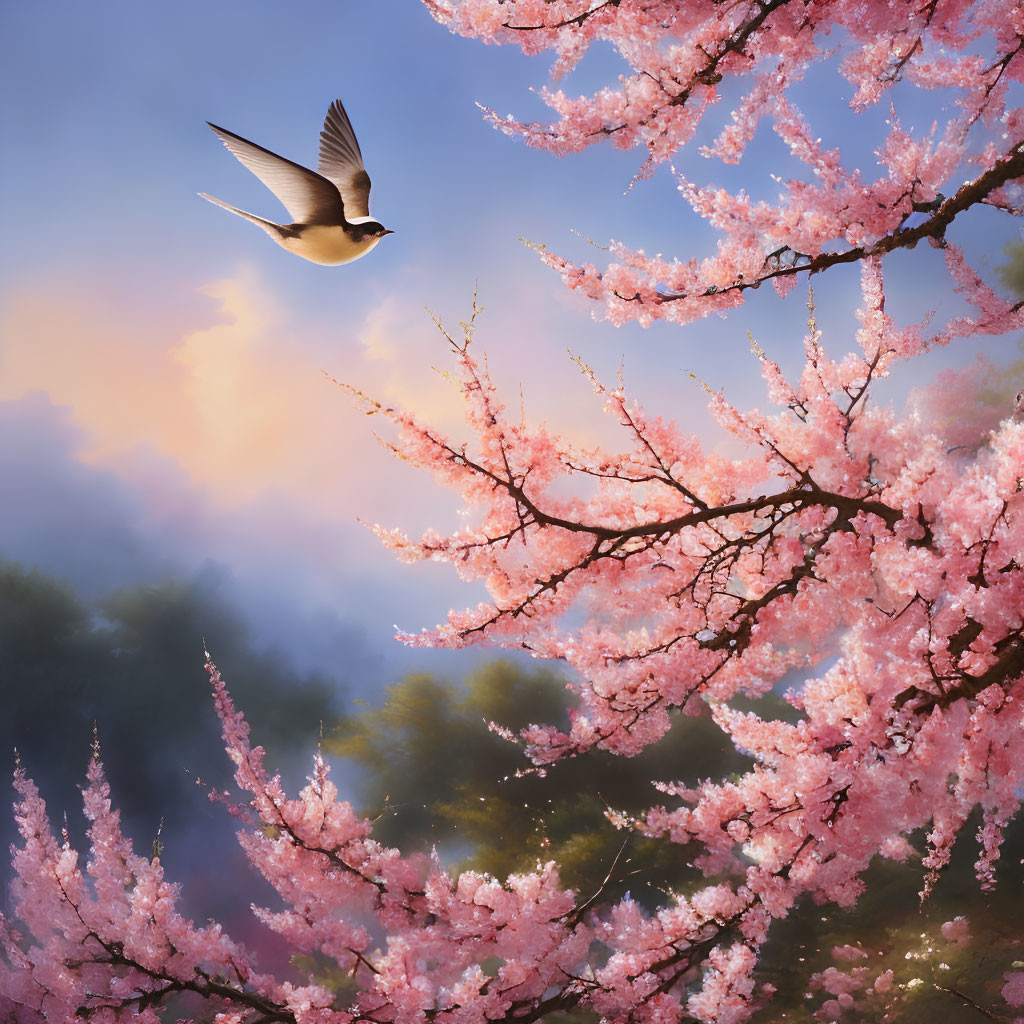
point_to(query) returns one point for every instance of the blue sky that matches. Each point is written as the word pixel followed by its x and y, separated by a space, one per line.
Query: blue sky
pixel 162 406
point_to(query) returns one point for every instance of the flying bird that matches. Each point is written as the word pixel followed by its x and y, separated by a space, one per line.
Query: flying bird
pixel 330 207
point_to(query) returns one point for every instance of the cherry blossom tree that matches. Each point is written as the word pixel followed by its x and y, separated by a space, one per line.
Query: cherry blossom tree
pixel 849 540
pixel 873 560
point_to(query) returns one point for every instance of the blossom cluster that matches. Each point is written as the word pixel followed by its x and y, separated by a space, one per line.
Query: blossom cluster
pixel 847 544
pixel 106 942
pixel 848 547
pixel 684 56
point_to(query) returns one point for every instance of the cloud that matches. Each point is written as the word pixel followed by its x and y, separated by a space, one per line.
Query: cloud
pixel 187 425
pixel 227 384
pixel 322 590
pixel 64 515
pixel 238 400
pixel 146 437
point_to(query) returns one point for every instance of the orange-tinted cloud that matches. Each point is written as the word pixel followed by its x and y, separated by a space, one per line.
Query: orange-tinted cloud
pixel 226 386
pixel 238 402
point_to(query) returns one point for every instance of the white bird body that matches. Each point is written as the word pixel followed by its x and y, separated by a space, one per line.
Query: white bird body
pixel 329 246
pixel 332 223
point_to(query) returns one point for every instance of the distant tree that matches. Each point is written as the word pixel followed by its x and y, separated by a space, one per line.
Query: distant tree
pixel 127 664
pixel 1011 273
pixel 434 773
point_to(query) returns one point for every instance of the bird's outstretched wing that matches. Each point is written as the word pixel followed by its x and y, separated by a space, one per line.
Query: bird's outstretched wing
pixel 309 197
pixel 341 161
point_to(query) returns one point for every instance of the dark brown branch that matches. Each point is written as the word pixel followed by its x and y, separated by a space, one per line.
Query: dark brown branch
pixel 805 495
pixel 1008 666
pixel 711 74
pixel 934 227
pixel 578 20
pixel 969 1002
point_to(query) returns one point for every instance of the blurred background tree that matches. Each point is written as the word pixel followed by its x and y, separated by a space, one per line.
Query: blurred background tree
pixel 130 665
pixel 1011 273
pixel 473 798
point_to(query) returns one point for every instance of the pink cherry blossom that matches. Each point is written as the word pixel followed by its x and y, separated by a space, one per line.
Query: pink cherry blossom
pixel 682 58
pixel 664 574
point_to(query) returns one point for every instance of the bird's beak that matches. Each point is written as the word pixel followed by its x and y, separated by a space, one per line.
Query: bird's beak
pixel 386 231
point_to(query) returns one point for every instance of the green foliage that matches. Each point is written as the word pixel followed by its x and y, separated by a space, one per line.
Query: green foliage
pixel 435 775
pixel 1011 273
pixel 933 979
pixel 132 664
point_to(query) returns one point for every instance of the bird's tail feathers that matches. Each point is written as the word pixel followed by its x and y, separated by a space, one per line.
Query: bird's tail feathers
pixel 268 225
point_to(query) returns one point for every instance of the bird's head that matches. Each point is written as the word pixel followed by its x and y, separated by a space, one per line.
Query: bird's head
pixel 374 229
